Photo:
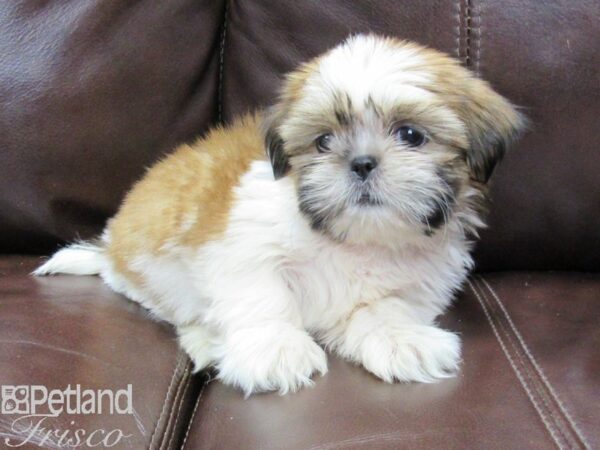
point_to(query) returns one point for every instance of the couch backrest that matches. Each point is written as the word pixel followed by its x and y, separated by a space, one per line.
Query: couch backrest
pixel 93 92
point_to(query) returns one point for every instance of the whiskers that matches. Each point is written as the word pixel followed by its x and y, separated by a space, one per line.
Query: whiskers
pixel 391 208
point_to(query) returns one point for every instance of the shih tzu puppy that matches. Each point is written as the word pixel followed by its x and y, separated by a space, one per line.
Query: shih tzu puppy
pixel 343 218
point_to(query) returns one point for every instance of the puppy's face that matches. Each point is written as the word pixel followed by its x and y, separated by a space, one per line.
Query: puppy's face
pixel 382 136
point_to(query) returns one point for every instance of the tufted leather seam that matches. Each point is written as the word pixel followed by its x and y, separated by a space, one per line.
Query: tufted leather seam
pixel 222 63
pixel 545 420
pixel 189 427
pixel 562 412
pixel 179 400
pixel 458 29
pixel 473 35
pixel 167 395
pixel 477 64
pixel 468 33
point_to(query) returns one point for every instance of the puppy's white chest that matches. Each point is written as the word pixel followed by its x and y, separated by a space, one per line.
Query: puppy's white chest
pixel 330 281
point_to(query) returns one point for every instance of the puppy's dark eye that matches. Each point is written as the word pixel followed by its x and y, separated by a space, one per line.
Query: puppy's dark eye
pixel 410 136
pixel 323 142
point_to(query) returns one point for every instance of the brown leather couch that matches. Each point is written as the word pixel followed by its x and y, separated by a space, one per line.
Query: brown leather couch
pixel 93 91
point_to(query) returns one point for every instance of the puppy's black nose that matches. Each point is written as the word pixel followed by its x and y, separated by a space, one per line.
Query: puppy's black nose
pixel 363 166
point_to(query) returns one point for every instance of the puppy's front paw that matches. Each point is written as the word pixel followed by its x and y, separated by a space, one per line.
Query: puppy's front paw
pixel 410 353
pixel 277 357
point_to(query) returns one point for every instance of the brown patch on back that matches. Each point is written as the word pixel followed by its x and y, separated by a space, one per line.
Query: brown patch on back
pixel 185 199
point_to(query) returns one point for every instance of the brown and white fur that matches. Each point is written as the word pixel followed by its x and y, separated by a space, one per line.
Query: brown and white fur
pixel 264 241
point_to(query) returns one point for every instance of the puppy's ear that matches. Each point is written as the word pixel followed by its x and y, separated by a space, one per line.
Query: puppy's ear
pixel 493 124
pixel 291 91
pixel 273 142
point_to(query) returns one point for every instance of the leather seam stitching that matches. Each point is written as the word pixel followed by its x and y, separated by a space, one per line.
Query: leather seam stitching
pixel 551 392
pixel 222 63
pixel 458 27
pixel 516 370
pixel 167 395
pixel 468 32
pixel 477 39
pixel 178 415
pixel 189 427
pixel 185 381
pixel 534 382
pixel 532 375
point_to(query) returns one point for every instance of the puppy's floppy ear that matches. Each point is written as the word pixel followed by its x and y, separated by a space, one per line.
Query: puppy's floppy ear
pixel 290 91
pixel 493 124
pixel 273 141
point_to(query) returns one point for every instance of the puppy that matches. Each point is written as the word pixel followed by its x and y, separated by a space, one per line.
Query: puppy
pixel 342 218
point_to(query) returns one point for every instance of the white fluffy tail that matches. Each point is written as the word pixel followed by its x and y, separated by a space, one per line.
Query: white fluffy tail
pixel 83 258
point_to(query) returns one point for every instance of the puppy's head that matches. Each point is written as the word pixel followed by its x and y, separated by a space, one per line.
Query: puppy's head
pixel 383 136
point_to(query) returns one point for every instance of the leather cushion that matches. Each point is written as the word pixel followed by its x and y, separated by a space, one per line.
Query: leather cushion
pixel 91 93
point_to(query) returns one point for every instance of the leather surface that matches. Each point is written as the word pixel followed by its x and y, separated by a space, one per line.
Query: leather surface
pixel 66 330
pixel 529 379
pixel 92 92
pixel 546 194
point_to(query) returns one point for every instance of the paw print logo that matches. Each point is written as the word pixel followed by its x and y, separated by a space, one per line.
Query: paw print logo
pixel 15 400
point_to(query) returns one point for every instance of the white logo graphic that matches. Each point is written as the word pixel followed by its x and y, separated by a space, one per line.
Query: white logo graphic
pixel 15 400
pixel 71 400
pixel 32 405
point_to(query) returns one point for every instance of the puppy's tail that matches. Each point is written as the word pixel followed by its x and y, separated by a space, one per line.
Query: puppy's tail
pixel 82 258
